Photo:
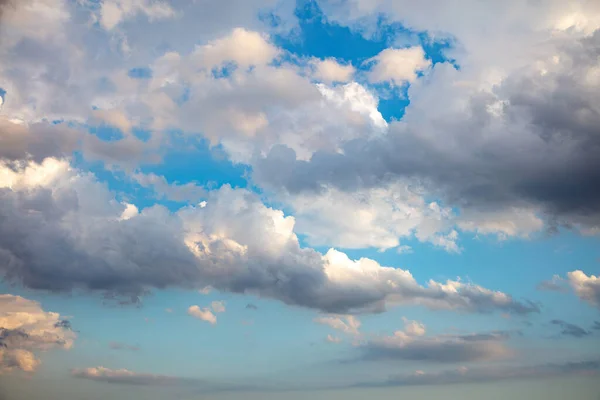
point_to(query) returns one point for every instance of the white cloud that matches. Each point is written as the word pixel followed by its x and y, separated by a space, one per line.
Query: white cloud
pixel 202 313
pixel 218 306
pixel 113 12
pixel 398 65
pixel 586 287
pixel 348 324
pixel 413 328
pixel 333 339
pixel 330 70
pixel 25 328
pixel 245 48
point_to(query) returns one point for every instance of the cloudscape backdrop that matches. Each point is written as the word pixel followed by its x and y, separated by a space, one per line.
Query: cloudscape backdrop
pixel 324 199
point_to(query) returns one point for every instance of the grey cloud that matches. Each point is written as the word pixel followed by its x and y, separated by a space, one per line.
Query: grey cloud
pixel 570 329
pixel 70 234
pixel 251 306
pixel 489 374
pixel 36 141
pixel 445 349
pixel 542 150
pixel 596 325
pixel 556 284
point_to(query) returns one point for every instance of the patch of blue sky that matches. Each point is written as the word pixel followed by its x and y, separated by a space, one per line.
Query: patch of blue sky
pixel 320 38
pixel 140 73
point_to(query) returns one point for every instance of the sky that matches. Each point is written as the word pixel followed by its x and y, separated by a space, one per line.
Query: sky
pixel 324 199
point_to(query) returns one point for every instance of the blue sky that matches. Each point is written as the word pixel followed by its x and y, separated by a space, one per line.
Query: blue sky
pixel 311 199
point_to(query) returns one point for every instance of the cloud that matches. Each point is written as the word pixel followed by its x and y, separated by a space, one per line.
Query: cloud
pixel 347 324
pixel 488 374
pixel 187 192
pixel 397 65
pixel 251 306
pixel 20 141
pixel 570 329
pixel 123 376
pixel 54 218
pixel 586 287
pixel 122 346
pixel 470 146
pixel 218 306
pixel 556 284
pixel 412 344
pixel 333 339
pixel 25 328
pixel 330 70
pixel 113 12
pixel 203 313
pixel 245 48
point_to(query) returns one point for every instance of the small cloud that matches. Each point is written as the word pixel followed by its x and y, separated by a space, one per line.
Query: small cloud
pixel 202 313
pixel 404 249
pixel 556 284
pixel 333 339
pixel 218 306
pixel 122 376
pixel 169 310
pixel 596 325
pixel 570 329
pixel 206 290
pixel 251 306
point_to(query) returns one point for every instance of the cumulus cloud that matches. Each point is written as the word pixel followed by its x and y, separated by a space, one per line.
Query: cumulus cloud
pixel 330 70
pixel 347 324
pixel 586 287
pixel 113 12
pixel 26 329
pixel 218 306
pixel 205 314
pixel 55 218
pixel 21 141
pixel 397 65
pixel 243 47
pixel 506 155
pixel 412 344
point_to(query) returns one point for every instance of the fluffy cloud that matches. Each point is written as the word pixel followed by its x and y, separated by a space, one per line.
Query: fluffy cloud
pixel 330 70
pixel 412 344
pixel 55 219
pixel 586 287
pixel 347 324
pixel 205 314
pixel 113 12
pixel 527 144
pixel 25 328
pixel 397 65
pixel 218 306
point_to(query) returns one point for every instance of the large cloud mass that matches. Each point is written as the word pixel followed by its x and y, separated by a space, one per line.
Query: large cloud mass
pixel 60 229
pixel 25 329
